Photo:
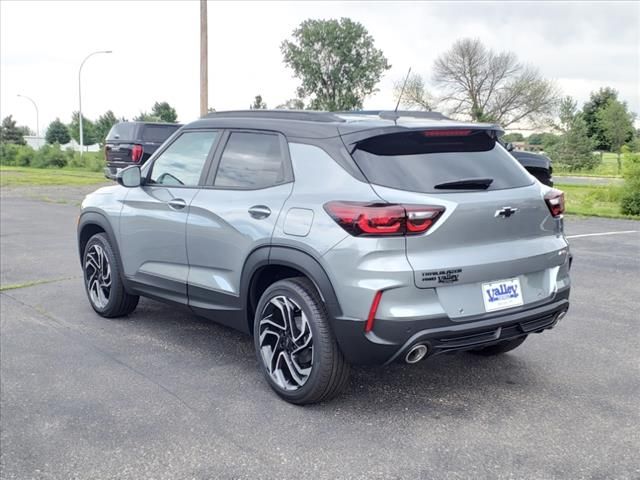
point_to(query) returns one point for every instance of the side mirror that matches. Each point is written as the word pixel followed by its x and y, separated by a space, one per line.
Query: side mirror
pixel 509 147
pixel 129 177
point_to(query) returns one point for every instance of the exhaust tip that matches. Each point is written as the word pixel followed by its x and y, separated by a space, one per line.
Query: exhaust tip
pixel 416 353
pixel 561 315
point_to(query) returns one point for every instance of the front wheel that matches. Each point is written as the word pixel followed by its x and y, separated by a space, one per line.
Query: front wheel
pixel 294 343
pixel 500 347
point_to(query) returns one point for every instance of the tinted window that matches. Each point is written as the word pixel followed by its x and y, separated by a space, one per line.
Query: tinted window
pixel 158 133
pixel 122 131
pixel 182 162
pixel 415 162
pixel 251 161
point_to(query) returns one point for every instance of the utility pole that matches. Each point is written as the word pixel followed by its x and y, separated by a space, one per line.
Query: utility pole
pixel 204 61
pixel 37 116
pixel 80 95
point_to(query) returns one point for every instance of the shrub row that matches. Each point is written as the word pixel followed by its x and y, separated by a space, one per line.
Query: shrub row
pixel 49 156
pixel 630 201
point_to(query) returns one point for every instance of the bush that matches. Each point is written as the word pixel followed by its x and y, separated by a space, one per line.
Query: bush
pixel 25 156
pixel 630 200
pixel 8 153
pixel 91 161
pixel 50 156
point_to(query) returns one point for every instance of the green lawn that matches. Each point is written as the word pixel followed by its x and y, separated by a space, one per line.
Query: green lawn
pixel 608 168
pixel 593 200
pixel 18 176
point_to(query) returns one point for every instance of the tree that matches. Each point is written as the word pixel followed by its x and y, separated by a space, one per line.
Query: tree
pixel 513 137
pixel 574 148
pixel 103 126
pixel 165 112
pixel 292 104
pixel 336 61
pixel 146 117
pixel 597 101
pixel 490 86
pixel 10 133
pixel 57 132
pixel 415 93
pixel 88 130
pixel 616 124
pixel 258 104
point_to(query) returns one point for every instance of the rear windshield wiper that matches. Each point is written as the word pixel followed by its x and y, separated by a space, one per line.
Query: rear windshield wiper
pixel 467 184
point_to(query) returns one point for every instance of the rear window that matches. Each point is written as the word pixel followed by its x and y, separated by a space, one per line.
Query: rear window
pixel 122 131
pixel 158 133
pixel 417 163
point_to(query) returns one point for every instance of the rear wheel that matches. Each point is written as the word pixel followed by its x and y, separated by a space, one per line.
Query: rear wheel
pixel 102 280
pixel 499 348
pixel 294 343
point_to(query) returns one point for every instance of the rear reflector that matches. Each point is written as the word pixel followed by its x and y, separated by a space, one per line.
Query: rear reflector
pixel 136 153
pixel 555 201
pixel 447 133
pixel 372 311
pixel 383 219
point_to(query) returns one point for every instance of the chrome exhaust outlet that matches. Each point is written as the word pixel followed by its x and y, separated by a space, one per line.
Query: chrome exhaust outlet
pixel 416 353
pixel 561 315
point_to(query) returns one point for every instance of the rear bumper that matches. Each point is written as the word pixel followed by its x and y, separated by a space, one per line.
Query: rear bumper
pixel 391 339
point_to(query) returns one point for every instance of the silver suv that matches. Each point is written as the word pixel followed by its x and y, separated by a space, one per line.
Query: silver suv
pixel 334 239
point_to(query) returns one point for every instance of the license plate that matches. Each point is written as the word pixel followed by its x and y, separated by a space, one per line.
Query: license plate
pixel 501 294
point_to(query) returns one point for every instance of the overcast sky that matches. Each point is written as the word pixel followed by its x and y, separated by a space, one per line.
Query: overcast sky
pixel 582 45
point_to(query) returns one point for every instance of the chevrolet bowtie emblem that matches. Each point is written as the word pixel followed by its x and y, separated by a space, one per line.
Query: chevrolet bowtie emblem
pixel 505 212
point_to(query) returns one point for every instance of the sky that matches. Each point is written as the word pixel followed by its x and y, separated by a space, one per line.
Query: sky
pixel 581 45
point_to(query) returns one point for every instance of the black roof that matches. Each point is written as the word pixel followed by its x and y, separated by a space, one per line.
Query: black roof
pixel 316 124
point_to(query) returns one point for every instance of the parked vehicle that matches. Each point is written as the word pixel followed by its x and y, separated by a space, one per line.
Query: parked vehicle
pixel 132 143
pixel 334 239
pixel 538 165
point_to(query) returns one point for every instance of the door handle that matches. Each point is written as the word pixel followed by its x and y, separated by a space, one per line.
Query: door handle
pixel 177 204
pixel 259 211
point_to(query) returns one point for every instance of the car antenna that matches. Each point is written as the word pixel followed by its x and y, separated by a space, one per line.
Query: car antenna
pixel 402 91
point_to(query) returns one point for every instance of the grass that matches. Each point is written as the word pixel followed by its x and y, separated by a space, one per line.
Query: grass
pixel 15 286
pixel 594 200
pixel 21 176
pixel 608 168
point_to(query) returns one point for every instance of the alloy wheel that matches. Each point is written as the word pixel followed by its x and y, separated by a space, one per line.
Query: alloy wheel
pixel 286 343
pixel 97 272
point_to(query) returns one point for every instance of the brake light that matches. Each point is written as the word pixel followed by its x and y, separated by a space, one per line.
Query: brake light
pixel 383 219
pixel 555 201
pixel 447 133
pixel 136 153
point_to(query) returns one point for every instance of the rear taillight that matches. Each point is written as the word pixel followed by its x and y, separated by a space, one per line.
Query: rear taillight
pixel 366 219
pixel 447 133
pixel 555 201
pixel 136 153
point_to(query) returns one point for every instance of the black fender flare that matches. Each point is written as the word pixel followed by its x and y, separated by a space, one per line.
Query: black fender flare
pixel 291 257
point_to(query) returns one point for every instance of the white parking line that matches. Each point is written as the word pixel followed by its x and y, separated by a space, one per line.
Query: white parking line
pixel 600 234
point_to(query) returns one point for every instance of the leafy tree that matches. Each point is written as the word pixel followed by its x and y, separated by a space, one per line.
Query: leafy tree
pixel 258 104
pixel 147 117
pixel 616 124
pixel 88 130
pixel 490 86
pixel 630 201
pixel 597 101
pixel 575 148
pixel 165 112
pixel 103 125
pixel 10 133
pixel 415 93
pixel 513 137
pixel 336 61
pixel 57 132
pixel 292 104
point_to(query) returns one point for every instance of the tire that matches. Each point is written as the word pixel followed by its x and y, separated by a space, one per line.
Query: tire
pixel 500 348
pixel 103 281
pixel 300 359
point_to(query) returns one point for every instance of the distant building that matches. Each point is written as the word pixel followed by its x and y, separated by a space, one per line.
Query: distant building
pixel 38 142
pixel 524 146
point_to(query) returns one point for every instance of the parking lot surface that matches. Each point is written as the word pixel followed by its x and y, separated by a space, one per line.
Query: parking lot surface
pixel 165 394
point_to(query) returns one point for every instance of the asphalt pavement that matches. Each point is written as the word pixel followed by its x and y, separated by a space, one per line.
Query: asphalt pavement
pixel 165 394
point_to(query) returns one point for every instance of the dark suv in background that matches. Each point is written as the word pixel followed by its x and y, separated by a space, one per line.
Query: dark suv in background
pixel 132 143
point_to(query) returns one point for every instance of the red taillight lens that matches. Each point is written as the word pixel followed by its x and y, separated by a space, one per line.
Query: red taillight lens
pixel 362 219
pixel 447 133
pixel 136 153
pixel 372 311
pixel 555 202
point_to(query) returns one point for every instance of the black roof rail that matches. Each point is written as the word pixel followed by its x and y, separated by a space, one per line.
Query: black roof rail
pixel 393 115
pixel 306 115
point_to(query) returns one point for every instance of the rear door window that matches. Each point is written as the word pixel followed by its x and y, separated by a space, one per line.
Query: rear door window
pixel 417 162
pixel 157 133
pixel 122 131
pixel 252 161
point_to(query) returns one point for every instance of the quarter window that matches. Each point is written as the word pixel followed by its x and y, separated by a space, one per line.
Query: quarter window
pixel 251 161
pixel 182 163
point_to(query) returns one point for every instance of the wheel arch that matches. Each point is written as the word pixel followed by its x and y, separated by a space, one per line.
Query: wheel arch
pixel 91 223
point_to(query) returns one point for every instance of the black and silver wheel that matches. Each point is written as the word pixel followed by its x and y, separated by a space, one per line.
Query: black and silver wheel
pixel 500 347
pixel 295 345
pixel 102 279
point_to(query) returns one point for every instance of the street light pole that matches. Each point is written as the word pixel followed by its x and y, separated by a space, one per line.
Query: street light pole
pixel 37 114
pixel 80 95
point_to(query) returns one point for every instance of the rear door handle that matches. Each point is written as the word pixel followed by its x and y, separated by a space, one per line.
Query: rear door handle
pixel 259 211
pixel 177 204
